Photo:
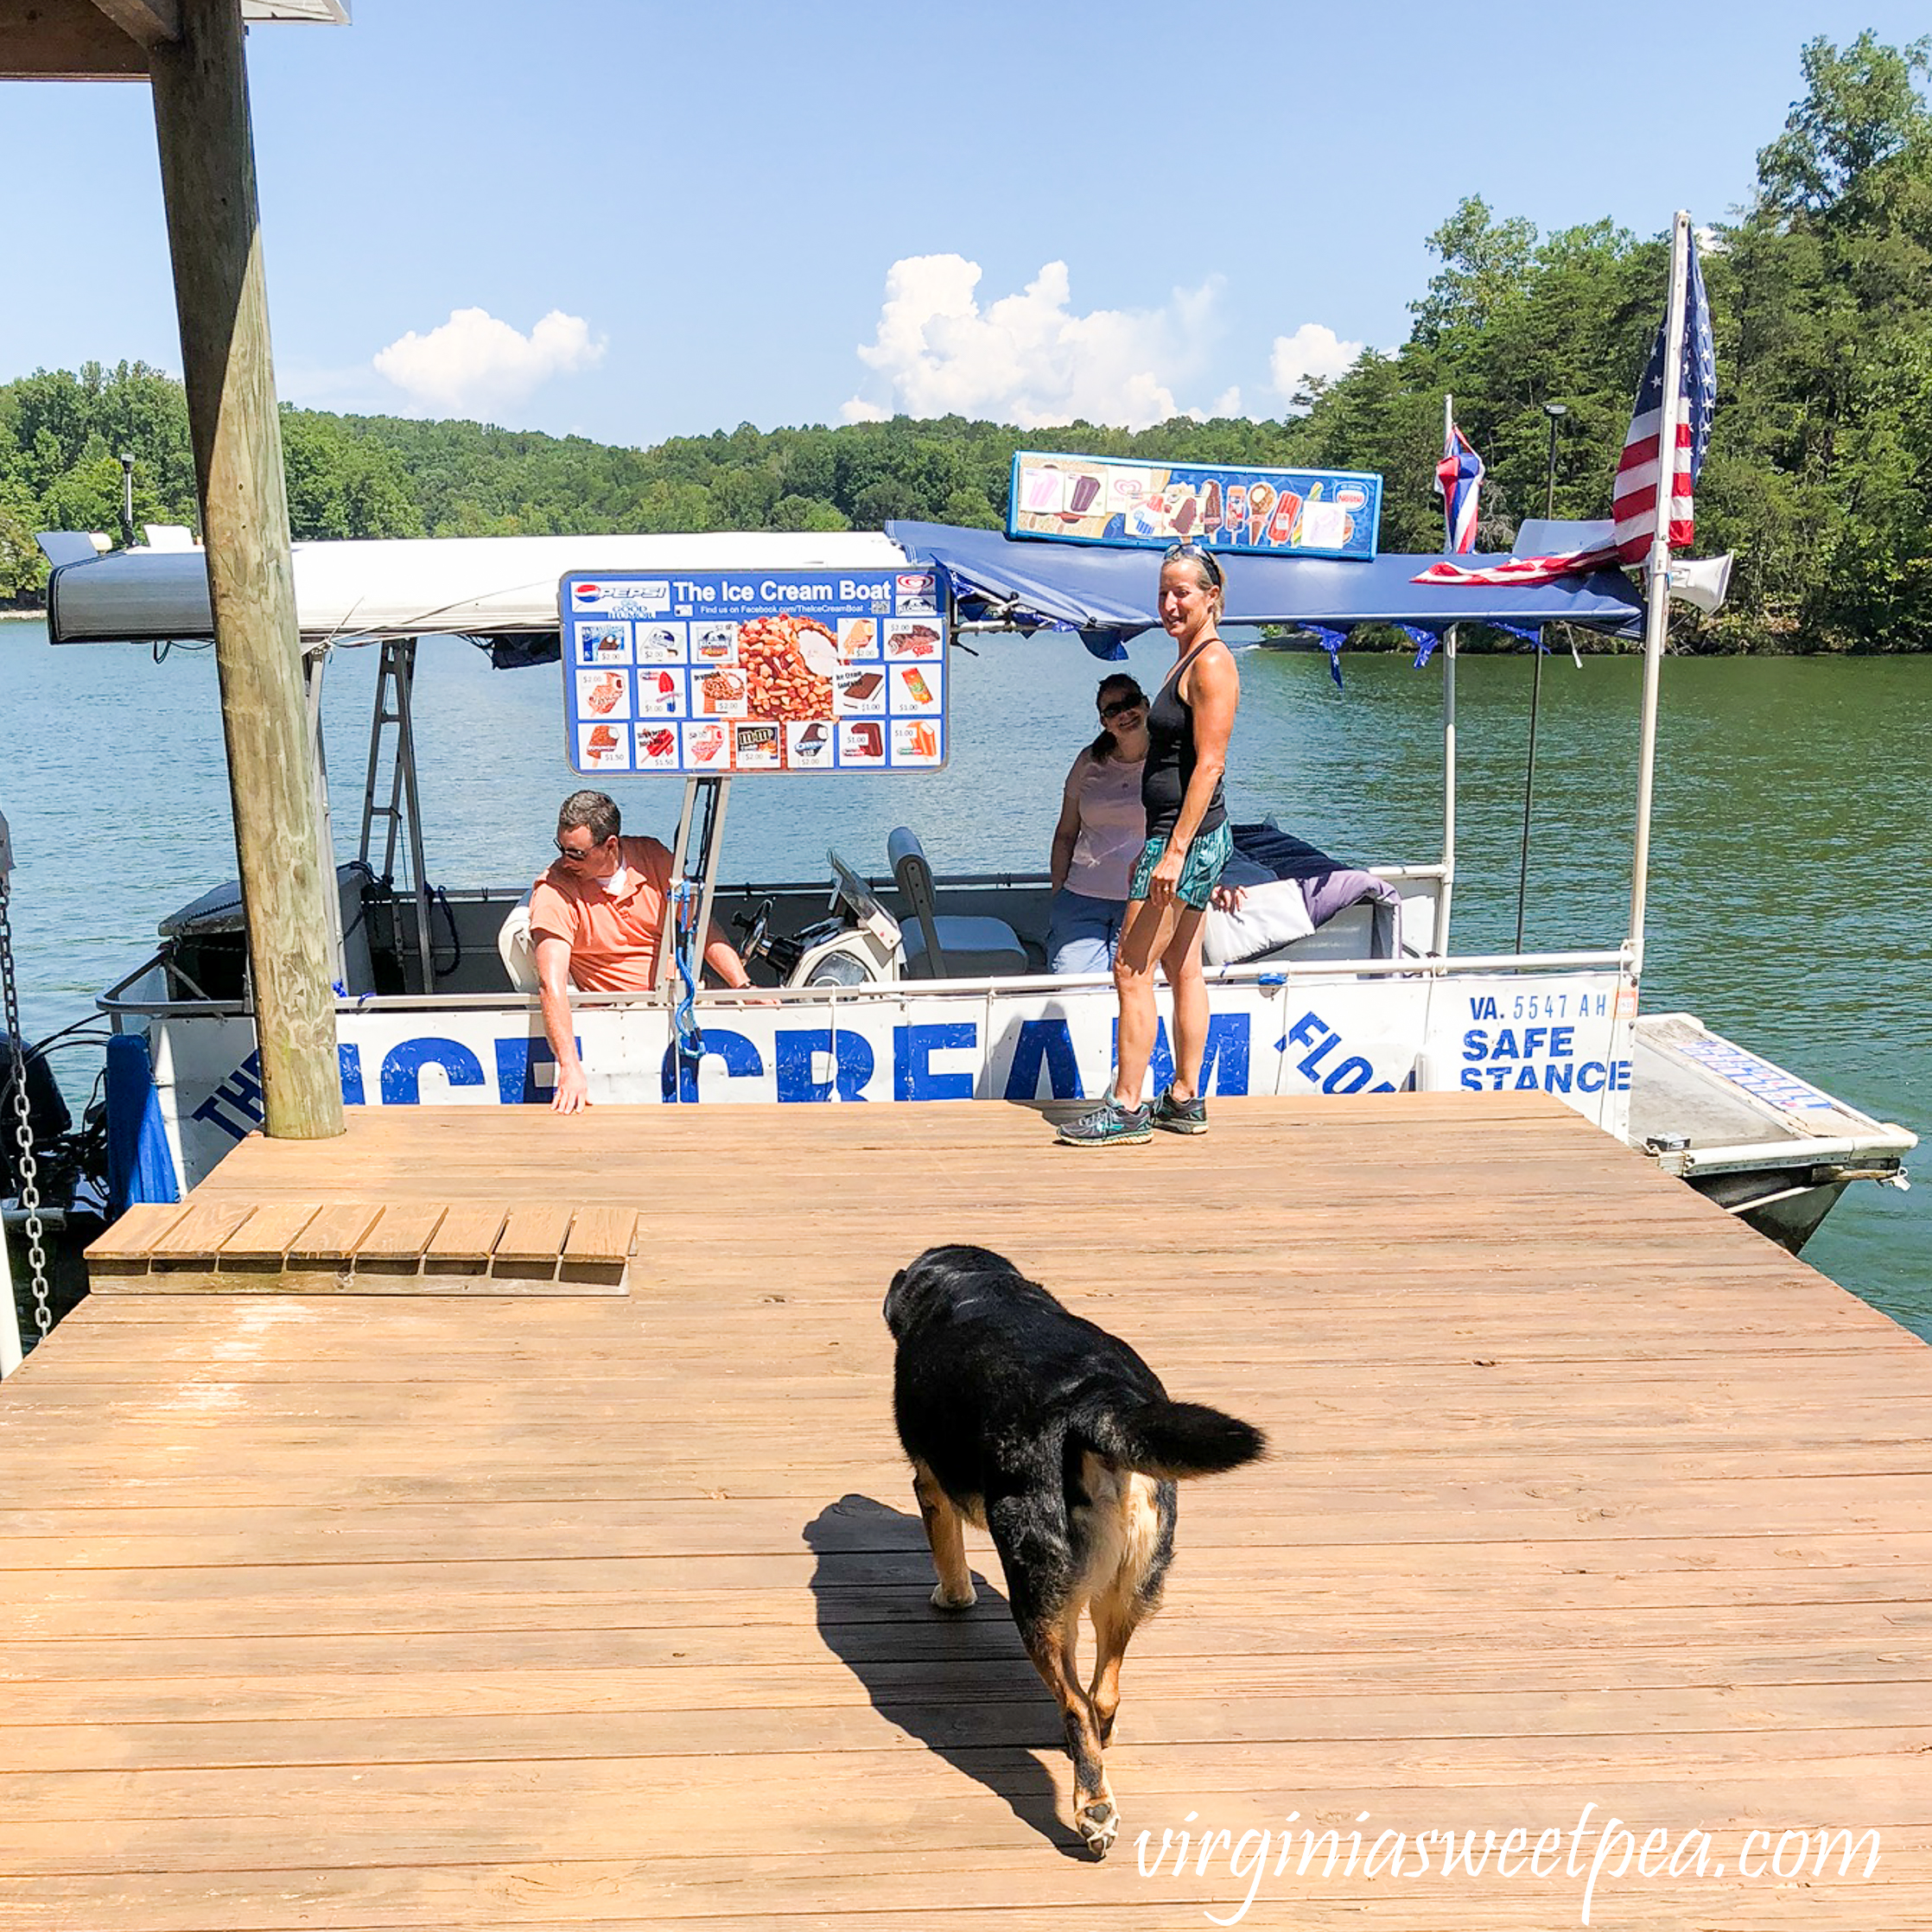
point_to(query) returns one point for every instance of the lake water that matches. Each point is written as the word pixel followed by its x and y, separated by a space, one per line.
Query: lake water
pixel 1787 909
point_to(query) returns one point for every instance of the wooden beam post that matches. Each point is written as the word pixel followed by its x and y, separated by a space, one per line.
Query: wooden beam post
pixel 207 173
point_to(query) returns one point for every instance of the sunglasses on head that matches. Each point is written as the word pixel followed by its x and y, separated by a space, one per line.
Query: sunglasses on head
pixel 1193 553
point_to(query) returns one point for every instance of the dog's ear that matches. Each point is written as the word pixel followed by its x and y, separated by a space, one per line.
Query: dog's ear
pixel 885 1308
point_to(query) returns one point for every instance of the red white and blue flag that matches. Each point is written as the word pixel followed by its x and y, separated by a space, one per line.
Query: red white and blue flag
pixel 1640 469
pixel 1458 477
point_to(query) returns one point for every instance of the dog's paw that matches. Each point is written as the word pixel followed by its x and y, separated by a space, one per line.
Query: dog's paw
pixel 1100 1825
pixel 942 1601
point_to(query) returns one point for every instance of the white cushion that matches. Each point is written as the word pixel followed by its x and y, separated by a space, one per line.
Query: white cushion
pixel 516 949
pixel 1269 916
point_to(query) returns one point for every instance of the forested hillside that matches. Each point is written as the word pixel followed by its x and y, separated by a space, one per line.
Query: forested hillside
pixel 1818 477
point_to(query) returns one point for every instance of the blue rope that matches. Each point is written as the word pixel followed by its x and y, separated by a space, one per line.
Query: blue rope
pixel 691 1035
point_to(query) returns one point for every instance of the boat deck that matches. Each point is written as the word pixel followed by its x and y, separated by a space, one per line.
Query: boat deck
pixel 608 1610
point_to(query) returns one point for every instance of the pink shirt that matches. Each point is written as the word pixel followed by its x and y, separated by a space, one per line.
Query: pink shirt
pixel 1113 825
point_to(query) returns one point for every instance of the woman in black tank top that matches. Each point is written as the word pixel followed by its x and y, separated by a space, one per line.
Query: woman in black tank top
pixel 1188 729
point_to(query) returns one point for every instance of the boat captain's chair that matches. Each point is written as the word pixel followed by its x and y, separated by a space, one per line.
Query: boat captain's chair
pixel 517 949
pixel 951 947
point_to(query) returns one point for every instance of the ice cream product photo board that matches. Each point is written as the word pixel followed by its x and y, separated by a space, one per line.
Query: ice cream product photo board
pixel 1131 503
pixel 747 671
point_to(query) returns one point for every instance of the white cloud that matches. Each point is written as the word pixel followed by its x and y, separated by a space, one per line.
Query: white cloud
pixel 1026 359
pixel 474 363
pixel 1314 349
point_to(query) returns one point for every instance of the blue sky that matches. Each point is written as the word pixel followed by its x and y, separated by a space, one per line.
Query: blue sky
pixel 631 220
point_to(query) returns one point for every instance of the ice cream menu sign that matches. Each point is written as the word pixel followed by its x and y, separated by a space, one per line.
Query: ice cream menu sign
pixel 740 670
pixel 1272 512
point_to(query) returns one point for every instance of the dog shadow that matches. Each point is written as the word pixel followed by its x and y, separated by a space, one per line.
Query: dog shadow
pixel 959 1682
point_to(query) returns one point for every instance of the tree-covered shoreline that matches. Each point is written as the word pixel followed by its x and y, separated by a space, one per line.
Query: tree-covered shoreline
pixel 1819 476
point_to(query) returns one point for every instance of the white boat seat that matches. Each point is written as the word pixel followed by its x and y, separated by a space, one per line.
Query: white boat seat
pixel 951 945
pixel 517 949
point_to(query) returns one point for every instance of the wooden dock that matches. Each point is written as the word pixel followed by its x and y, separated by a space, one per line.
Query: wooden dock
pixel 607 1611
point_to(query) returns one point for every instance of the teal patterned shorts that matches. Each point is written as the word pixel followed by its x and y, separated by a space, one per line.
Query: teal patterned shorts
pixel 1205 858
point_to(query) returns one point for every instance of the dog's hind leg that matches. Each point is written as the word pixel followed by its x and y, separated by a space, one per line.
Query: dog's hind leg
pixel 1047 1628
pixel 1114 1621
pixel 945 1533
pixel 1134 1593
pixel 1094 1811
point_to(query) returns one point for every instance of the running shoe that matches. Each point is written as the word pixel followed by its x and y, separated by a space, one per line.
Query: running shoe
pixel 1109 1124
pixel 1180 1116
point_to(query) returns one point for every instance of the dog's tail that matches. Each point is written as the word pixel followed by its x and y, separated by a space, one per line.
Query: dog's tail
pixel 1174 1439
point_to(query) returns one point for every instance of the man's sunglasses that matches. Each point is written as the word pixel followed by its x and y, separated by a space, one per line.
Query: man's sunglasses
pixel 580 852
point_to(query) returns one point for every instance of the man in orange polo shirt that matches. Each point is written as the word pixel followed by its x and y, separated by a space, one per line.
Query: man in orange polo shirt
pixel 595 919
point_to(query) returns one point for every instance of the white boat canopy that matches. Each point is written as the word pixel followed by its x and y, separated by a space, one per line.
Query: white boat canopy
pixel 361 592
pixel 352 592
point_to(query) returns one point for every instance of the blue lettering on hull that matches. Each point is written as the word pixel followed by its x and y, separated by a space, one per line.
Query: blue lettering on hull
pixel 797 1051
pixel 1350 1074
pixel 1048 1044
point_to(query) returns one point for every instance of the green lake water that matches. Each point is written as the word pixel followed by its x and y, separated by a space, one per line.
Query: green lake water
pixel 1791 899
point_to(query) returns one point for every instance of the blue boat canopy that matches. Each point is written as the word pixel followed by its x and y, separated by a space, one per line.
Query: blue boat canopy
pixel 1108 594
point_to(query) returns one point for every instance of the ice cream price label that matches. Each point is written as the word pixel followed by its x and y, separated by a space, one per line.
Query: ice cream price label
pixel 746 670
pixel 1266 512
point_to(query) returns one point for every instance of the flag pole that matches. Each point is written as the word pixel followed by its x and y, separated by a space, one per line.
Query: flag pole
pixel 1657 579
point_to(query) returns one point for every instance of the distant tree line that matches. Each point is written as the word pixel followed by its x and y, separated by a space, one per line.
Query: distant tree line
pixel 1818 477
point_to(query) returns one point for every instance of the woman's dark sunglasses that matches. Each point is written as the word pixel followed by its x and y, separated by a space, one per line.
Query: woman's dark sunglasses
pixel 1121 706
pixel 1194 551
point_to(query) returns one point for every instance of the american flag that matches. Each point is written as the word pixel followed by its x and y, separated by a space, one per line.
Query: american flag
pixel 1458 477
pixel 1633 501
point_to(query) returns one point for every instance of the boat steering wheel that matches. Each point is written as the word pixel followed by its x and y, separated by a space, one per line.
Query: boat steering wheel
pixel 757 929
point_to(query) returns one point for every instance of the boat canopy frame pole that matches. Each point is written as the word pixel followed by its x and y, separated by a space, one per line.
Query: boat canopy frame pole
pixel 395 680
pixel 1656 598
pixel 694 860
pixel 314 665
pixel 1448 793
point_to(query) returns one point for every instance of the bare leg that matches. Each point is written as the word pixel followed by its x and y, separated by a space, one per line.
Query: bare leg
pixel 1182 960
pixel 945 1533
pixel 1145 937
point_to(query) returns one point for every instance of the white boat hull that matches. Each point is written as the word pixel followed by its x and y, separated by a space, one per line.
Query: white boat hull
pixel 1030 1040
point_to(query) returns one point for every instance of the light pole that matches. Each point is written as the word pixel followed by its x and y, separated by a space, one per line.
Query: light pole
pixel 1555 412
pixel 127 499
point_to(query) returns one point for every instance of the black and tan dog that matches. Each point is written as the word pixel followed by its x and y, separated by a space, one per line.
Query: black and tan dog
pixel 1043 1428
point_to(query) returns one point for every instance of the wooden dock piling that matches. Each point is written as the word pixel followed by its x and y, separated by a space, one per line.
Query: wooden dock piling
pixel 207 173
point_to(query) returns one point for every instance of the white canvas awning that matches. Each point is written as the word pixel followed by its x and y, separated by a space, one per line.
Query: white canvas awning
pixel 416 587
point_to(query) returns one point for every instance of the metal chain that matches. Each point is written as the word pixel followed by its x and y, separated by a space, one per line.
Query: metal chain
pixel 23 1129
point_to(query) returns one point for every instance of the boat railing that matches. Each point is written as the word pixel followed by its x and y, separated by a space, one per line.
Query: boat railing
pixel 115 1003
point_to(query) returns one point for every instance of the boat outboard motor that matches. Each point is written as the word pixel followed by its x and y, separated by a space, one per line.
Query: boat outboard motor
pixel 48 1117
